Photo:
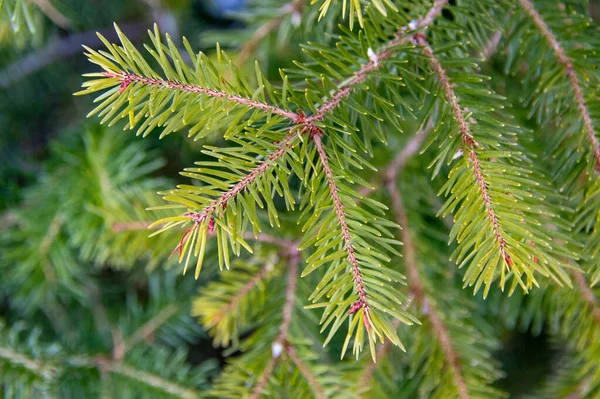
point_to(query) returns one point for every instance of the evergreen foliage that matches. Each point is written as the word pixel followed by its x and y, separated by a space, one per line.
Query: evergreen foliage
pixel 421 178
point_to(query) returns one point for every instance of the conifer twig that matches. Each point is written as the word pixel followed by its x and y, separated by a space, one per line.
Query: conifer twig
pixel 469 144
pixel 199 217
pixel 292 8
pixel 587 293
pixel 418 290
pixel 281 342
pixel 154 323
pixel 374 63
pixel 567 64
pixel 362 302
pixel 235 300
pixel 310 378
pixel 305 124
pixel 129 78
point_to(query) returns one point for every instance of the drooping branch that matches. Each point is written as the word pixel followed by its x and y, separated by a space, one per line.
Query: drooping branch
pixel 362 302
pixel 128 78
pixel 567 64
pixel 293 8
pixel 469 145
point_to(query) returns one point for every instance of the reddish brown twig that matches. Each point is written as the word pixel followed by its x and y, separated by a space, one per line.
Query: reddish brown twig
pixel 362 302
pixel 129 78
pixel 469 145
pixel 567 64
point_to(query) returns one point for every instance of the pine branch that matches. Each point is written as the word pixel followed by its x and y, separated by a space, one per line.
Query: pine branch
pixel 567 64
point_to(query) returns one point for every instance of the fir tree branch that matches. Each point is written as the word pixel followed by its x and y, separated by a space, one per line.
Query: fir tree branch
pixel 128 78
pixel 587 293
pixel 567 64
pixel 469 145
pixel 106 365
pixel 375 62
pixel 235 300
pixel 199 217
pixel 390 175
pixel 34 366
pixel 310 378
pixel 417 288
pixel 281 341
pixel 362 302
pixel 53 14
pixel 291 8
pixel 146 330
